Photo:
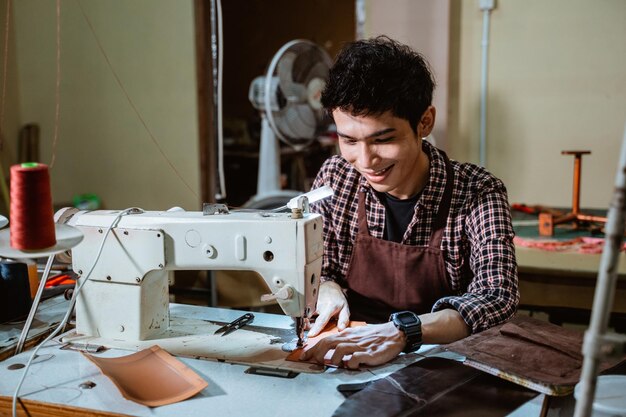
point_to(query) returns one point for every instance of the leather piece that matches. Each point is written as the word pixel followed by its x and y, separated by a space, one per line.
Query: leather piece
pixel 151 377
pixel 531 350
pixel 567 343
pixel 436 387
pixel 330 329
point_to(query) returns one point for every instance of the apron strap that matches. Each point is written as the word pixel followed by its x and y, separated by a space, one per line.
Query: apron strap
pixel 444 206
pixel 362 213
pixel 440 221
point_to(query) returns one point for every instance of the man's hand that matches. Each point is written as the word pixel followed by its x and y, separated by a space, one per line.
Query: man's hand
pixel 330 302
pixel 373 344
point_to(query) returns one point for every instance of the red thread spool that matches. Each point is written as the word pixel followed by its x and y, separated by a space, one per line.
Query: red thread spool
pixel 32 217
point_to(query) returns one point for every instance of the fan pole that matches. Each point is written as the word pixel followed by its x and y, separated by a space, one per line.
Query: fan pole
pixel 268 181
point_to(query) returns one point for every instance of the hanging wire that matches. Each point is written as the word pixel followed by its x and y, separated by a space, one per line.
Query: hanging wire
pixel 57 95
pixel 217 66
pixel 131 103
pixel 3 184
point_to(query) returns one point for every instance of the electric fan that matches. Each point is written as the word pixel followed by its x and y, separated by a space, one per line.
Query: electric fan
pixel 288 98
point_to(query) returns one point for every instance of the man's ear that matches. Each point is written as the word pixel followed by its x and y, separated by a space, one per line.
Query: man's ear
pixel 427 122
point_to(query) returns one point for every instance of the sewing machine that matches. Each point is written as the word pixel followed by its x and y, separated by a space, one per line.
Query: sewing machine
pixel 127 295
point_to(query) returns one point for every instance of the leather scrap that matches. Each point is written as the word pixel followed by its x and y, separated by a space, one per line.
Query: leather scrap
pixel 436 387
pixel 530 352
pixel 330 329
pixel 151 377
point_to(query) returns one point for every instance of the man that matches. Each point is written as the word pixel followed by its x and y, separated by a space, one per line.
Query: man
pixel 413 241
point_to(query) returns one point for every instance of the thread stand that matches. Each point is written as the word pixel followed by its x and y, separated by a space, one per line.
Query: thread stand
pixel 579 220
pixel 33 232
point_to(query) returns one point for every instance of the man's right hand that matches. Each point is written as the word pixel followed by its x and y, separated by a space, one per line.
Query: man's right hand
pixel 331 302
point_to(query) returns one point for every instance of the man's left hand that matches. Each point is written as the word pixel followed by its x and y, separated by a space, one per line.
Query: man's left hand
pixel 372 345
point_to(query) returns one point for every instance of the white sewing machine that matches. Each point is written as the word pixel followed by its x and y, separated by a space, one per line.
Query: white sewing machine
pixel 127 295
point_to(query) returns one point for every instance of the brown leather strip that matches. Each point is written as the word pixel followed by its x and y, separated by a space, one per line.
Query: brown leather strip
pixel 362 215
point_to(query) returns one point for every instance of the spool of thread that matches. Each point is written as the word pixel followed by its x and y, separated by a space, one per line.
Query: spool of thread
pixel 15 298
pixel 32 217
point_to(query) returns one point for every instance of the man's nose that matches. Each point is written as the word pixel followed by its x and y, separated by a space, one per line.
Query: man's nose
pixel 367 156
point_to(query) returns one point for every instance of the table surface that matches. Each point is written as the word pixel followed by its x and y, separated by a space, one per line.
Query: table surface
pixel 561 279
pixel 565 263
pixel 50 312
pixel 55 377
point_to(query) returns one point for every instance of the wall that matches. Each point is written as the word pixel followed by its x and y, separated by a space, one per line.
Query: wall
pixel 425 26
pixel 254 31
pixel 109 136
pixel 9 101
pixel 556 82
pixel 247 52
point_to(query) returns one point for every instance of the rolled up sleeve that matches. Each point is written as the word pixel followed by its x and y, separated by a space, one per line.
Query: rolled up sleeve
pixel 492 295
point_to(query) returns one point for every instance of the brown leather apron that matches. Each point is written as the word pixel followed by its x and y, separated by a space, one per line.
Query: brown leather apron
pixel 384 277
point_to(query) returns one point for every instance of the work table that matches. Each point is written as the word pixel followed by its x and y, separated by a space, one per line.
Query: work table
pixel 56 376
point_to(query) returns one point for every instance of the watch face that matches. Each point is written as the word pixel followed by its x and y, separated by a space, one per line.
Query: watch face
pixel 407 319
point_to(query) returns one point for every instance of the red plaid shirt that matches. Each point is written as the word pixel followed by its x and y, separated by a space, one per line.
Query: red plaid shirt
pixel 477 242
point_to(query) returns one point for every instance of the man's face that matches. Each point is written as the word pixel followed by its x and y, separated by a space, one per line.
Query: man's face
pixel 385 150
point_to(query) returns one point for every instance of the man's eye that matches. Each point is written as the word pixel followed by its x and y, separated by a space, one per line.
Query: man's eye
pixel 349 141
pixel 384 140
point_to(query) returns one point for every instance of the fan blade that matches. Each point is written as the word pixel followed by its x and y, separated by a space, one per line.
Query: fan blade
pixel 294 92
pixel 301 68
pixel 284 128
pixel 318 70
pixel 301 119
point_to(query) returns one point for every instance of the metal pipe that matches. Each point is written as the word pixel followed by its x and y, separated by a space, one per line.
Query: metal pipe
pixel 483 88
pixel 33 309
pixel 576 191
pixel 216 65
pixel 359 8
pixel 605 291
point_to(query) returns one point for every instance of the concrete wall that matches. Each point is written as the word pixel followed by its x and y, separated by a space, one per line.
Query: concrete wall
pixel 110 135
pixel 425 25
pixel 9 104
pixel 556 82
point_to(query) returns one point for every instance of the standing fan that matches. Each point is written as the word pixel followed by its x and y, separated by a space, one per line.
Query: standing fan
pixel 288 98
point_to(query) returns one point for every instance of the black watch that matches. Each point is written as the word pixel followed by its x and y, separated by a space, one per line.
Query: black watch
pixel 411 325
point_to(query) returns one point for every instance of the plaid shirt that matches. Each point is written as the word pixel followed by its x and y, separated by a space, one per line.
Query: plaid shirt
pixel 477 243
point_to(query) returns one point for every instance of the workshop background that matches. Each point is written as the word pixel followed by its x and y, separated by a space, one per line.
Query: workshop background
pixel 555 81
pixel 130 118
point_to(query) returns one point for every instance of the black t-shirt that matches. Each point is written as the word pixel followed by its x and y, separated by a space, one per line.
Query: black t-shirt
pixel 398 215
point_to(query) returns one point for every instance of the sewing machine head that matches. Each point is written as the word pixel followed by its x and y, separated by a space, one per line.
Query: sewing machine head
pixel 126 296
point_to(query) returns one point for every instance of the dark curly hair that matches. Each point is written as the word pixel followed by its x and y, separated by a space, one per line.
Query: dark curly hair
pixel 373 76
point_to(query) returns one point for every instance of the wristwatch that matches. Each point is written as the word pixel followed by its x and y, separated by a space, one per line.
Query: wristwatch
pixel 411 325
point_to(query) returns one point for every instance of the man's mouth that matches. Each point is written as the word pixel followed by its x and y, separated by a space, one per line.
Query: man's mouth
pixel 382 171
pixel 379 175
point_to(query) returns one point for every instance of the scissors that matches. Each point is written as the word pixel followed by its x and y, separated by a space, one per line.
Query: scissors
pixel 235 324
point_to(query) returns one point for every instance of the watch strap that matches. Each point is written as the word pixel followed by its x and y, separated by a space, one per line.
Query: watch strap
pixel 413 331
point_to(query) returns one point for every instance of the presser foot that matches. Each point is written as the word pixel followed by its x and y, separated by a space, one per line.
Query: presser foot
pixel 300 324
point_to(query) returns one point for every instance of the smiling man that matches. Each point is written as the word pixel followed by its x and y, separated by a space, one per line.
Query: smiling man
pixel 417 245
